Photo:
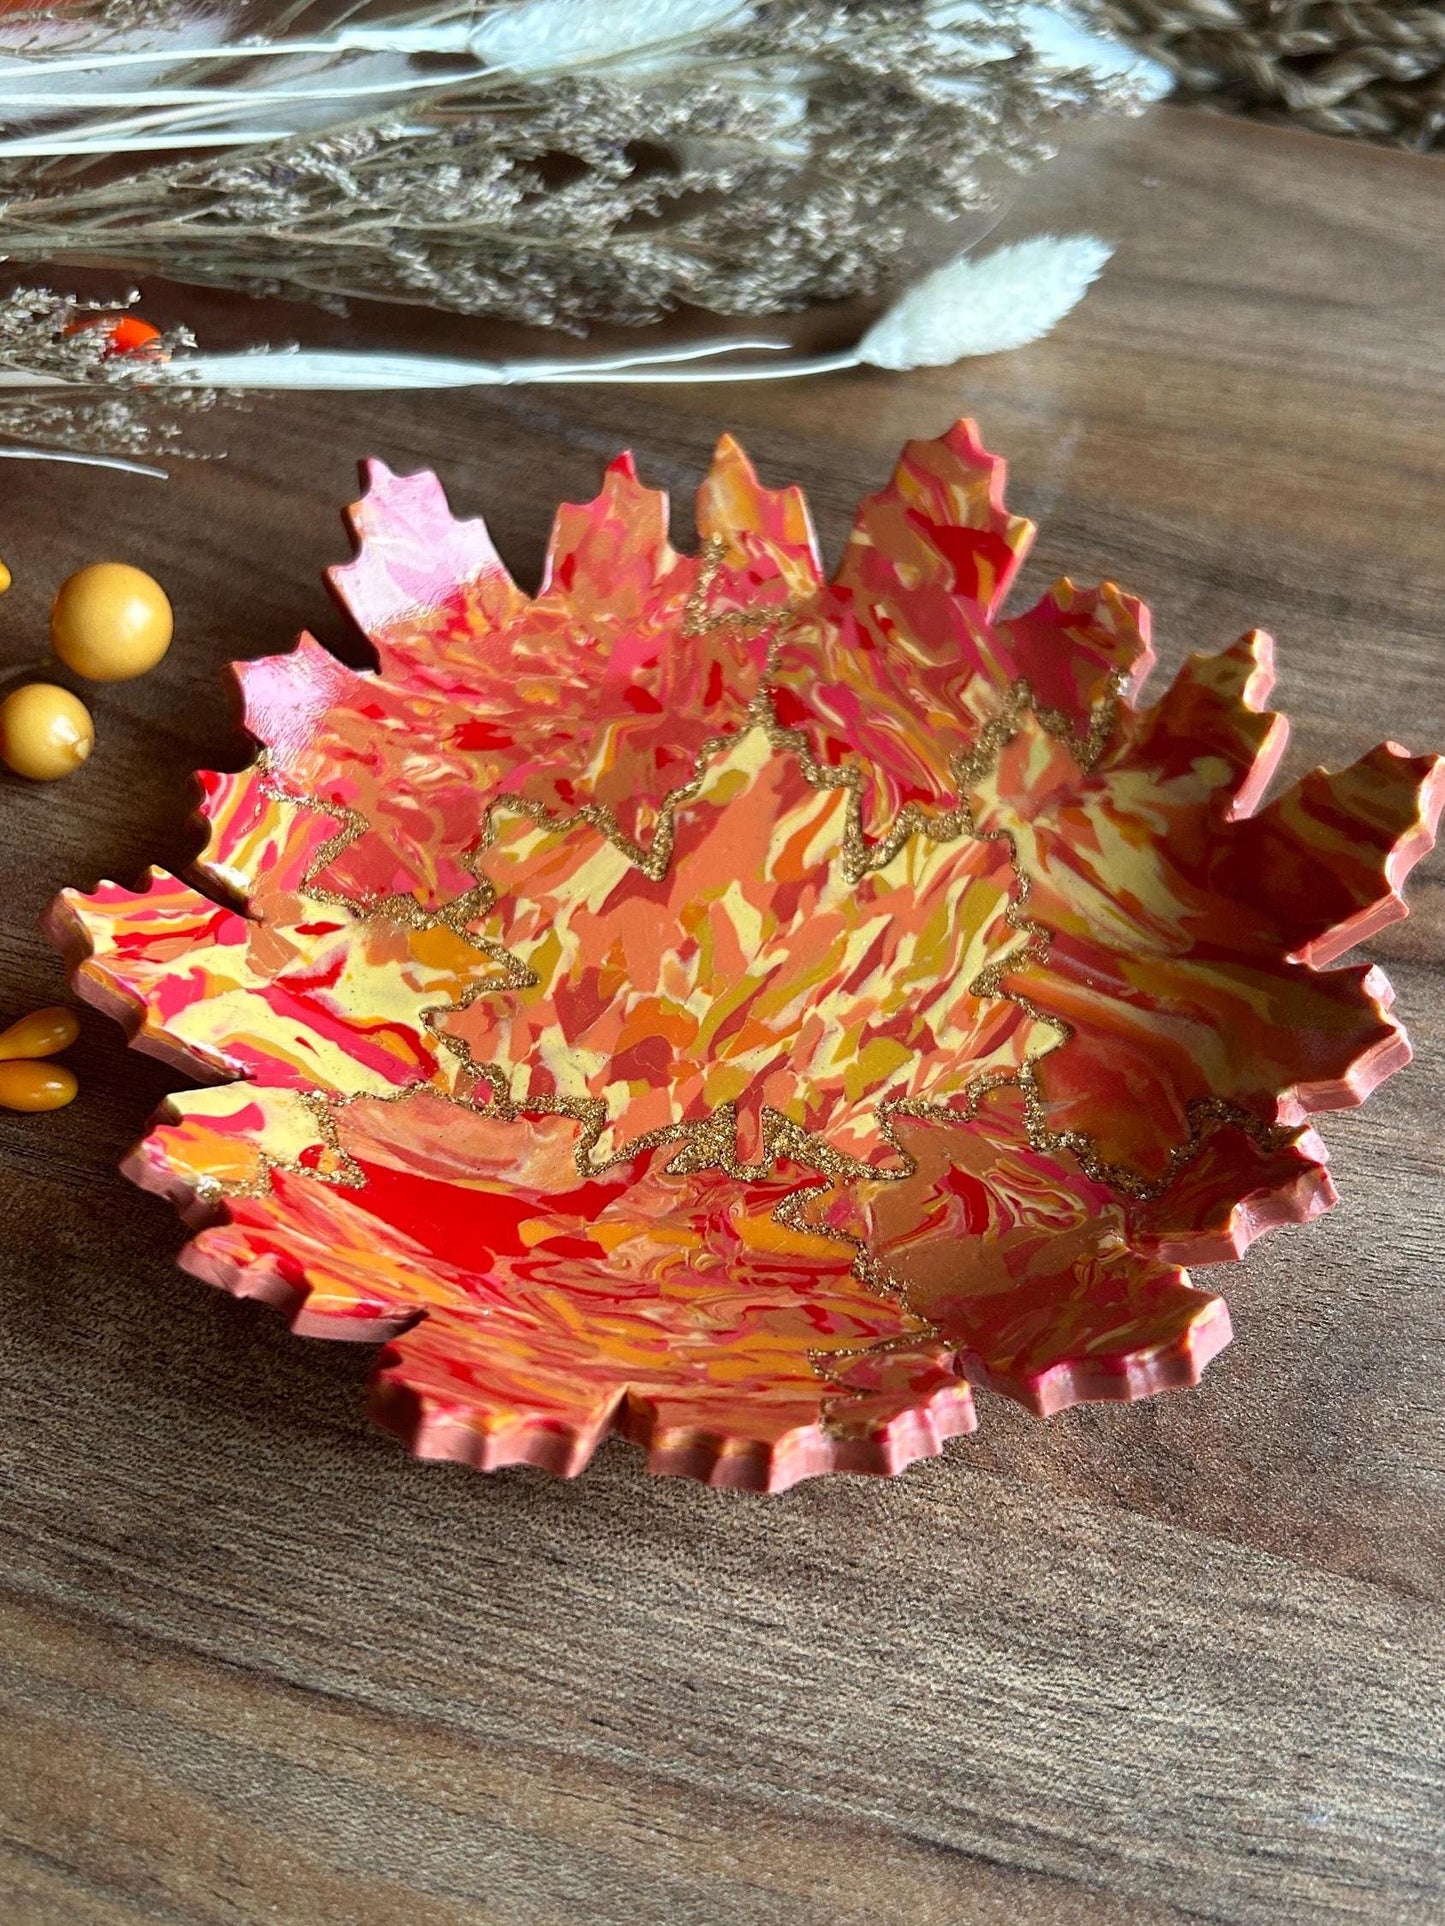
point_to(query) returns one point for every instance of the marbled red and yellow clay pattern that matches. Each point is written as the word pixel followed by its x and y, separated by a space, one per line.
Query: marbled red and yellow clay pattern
pixel 739 1009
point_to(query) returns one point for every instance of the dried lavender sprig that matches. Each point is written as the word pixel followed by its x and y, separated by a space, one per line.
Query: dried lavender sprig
pixel 66 385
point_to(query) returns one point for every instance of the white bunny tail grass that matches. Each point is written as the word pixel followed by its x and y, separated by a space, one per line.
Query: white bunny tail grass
pixel 1063 40
pixel 986 305
pixel 535 37
pixel 968 307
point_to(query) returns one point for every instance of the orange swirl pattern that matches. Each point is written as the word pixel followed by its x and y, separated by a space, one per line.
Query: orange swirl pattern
pixel 782 987
pixel 737 1009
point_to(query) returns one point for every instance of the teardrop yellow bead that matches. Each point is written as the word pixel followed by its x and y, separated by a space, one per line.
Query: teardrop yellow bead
pixel 35 1086
pixel 40 1034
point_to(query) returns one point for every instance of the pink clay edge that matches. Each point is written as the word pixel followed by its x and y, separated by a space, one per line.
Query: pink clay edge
pixel 434 1431
pixel 62 928
pixel 1118 1377
pixel 1400 860
pixel 1308 1195
pixel 374 476
pixel 1374 1066
pixel 431 1429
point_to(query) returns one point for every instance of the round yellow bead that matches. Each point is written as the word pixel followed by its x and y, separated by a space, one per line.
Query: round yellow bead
pixel 45 731
pixel 40 1034
pixel 110 622
pixel 6 578
pixel 36 1086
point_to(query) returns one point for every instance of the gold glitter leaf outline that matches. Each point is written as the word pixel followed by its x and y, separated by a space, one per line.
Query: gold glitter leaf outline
pixel 710 1143
pixel 705 1143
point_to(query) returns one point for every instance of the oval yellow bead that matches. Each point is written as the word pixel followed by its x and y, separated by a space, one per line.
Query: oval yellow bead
pixel 45 731
pixel 6 578
pixel 110 622
pixel 40 1034
pixel 35 1086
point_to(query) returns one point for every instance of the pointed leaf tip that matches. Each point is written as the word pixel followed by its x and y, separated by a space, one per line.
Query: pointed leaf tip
pixel 416 568
pixel 284 697
pixel 607 555
pixel 767 532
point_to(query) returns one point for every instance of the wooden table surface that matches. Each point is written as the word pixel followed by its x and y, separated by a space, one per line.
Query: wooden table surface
pixel 1173 1661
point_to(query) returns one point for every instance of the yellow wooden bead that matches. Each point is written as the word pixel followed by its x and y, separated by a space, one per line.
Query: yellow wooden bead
pixel 5 578
pixel 40 1034
pixel 110 622
pixel 45 731
pixel 35 1086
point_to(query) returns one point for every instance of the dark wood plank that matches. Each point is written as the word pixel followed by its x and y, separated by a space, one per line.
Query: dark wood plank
pixel 1168 1662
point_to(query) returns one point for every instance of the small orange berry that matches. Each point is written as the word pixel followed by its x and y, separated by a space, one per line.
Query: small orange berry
pixel 127 332
pixel 110 622
pixel 45 731
pixel 130 333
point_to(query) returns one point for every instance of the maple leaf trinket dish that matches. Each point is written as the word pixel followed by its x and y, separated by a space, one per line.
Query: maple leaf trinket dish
pixel 742 1009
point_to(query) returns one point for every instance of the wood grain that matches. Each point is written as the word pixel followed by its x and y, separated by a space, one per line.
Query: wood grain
pixel 1172 1662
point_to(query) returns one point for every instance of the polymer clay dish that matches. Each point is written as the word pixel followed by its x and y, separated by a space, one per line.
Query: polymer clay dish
pixel 743 1010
